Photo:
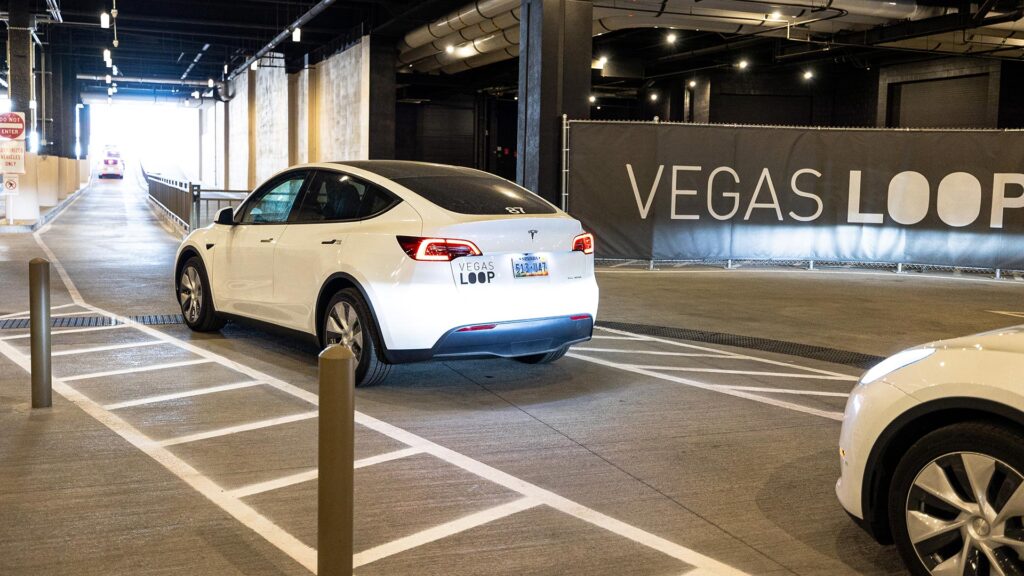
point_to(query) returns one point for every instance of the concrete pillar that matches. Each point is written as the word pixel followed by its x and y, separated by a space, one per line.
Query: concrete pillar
pixel 19 54
pixel 379 64
pixel 554 79
pixel 84 130
pixel 25 206
pixel 47 180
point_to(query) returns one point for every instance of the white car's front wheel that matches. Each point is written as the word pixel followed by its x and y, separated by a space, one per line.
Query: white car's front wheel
pixel 957 502
pixel 347 321
pixel 195 299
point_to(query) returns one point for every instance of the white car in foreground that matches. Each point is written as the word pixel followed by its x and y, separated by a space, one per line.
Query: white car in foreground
pixel 403 261
pixel 932 455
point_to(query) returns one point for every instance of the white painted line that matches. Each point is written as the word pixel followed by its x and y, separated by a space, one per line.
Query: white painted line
pixel 787 391
pixel 108 347
pixel 732 354
pixel 276 483
pixel 745 372
pixel 442 531
pixel 248 516
pixel 1006 313
pixel 185 394
pixel 656 353
pixel 68 331
pixel 307 475
pixel 549 498
pixel 25 313
pixel 705 386
pixel 135 370
pixel 601 337
pixel 239 428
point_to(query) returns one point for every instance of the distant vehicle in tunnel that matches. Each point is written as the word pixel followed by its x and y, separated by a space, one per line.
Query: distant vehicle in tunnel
pixel 932 455
pixel 111 165
pixel 402 261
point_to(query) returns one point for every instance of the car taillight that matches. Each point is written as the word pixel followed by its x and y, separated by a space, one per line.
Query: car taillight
pixel 437 249
pixel 583 243
pixel 110 162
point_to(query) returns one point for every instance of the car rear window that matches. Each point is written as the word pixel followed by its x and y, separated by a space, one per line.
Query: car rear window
pixel 466 194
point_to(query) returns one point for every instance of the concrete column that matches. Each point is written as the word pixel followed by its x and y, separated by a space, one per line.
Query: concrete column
pixel 25 206
pixel 554 79
pixel 47 180
pixel 380 73
pixel 19 54
pixel 84 130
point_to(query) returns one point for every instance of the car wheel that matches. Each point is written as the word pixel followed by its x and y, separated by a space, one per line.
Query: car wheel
pixel 348 322
pixel 195 298
pixel 545 358
pixel 956 506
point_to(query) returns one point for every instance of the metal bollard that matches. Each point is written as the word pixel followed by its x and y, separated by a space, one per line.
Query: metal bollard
pixel 336 459
pixel 39 323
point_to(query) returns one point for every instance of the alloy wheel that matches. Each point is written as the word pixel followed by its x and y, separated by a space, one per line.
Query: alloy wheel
pixel 190 294
pixel 344 327
pixel 965 516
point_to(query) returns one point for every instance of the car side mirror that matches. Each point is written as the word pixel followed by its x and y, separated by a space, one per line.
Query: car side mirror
pixel 226 216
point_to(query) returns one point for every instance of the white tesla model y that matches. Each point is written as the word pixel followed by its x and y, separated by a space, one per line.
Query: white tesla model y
pixel 402 261
pixel 932 455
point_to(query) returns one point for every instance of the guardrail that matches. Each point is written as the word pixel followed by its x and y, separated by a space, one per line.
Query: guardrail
pixel 187 204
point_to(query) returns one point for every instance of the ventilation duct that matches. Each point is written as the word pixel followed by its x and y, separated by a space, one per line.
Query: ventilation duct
pixel 470 15
pixel 489 26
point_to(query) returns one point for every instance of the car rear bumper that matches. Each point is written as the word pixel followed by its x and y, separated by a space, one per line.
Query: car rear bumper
pixel 504 339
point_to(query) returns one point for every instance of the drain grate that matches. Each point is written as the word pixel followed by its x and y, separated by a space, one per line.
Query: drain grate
pixel 94 321
pixel 845 357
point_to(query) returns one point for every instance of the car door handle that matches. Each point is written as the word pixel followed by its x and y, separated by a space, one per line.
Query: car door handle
pixel 266 240
pixel 335 241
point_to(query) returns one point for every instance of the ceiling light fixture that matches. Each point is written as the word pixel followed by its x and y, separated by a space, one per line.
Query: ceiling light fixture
pixel 108 79
pixel 104 20
pixel 209 82
pixel 255 65
pixel 592 99
pixel 808 75
pixel 776 15
pixel 671 38
pixel 654 96
pixel 297 35
pixel 742 64
pixel 449 48
pixel 693 83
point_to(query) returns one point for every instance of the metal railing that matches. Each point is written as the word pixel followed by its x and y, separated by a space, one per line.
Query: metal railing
pixel 187 204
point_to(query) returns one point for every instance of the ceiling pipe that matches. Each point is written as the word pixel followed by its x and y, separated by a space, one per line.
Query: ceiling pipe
pixel 489 26
pixel 141 80
pixel 482 60
pixel 492 43
pixel 285 34
pixel 467 16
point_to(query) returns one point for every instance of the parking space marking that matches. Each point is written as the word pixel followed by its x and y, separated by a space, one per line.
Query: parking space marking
pixel 655 352
pixel 307 475
pixel 248 516
pixel 136 369
pixel 25 313
pixel 443 531
pixel 606 337
pixel 283 540
pixel 745 372
pixel 248 426
pixel 185 394
pixel 787 391
pixel 727 352
pixel 108 347
pixel 712 387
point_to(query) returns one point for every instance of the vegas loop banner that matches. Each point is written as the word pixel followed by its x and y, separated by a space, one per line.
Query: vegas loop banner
pixel 693 192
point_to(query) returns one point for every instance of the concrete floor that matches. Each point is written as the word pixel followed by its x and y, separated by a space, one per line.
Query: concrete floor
pixel 632 456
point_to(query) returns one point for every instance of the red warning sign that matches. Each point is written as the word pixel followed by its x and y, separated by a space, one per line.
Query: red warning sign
pixel 12 126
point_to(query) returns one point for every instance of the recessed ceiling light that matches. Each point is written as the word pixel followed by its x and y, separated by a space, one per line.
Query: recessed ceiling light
pixel 671 38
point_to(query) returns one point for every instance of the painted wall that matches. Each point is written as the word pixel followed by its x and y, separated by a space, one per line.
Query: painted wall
pixel 342 94
pixel 271 121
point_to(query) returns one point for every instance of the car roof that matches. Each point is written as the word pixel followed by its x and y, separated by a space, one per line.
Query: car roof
pixel 398 169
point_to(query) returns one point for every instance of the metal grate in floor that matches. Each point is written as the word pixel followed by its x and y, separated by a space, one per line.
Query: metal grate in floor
pixel 835 356
pixel 93 321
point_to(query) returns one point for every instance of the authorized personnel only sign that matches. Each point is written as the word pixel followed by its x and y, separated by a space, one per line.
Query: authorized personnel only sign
pixel 12 143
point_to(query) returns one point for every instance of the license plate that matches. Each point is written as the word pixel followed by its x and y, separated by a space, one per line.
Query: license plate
pixel 529 266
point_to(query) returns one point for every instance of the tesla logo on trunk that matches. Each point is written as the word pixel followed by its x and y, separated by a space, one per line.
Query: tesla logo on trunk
pixel 533 234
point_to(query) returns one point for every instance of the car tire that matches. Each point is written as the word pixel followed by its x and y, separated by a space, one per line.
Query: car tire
pixel 545 358
pixel 347 320
pixel 932 532
pixel 196 299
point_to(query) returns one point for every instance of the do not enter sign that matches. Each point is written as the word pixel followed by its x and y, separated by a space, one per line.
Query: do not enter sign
pixel 12 126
